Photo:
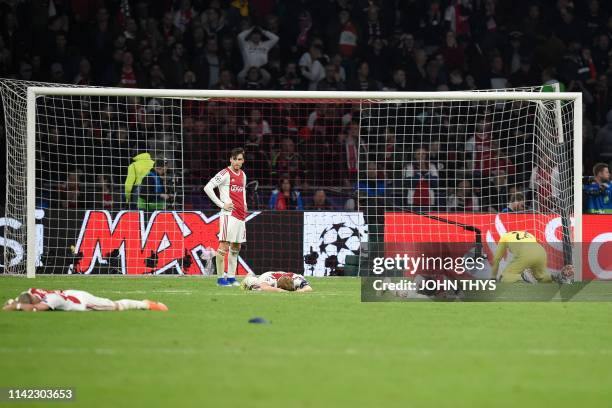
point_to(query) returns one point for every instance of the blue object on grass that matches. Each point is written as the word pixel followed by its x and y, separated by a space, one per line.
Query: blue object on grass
pixel 258 320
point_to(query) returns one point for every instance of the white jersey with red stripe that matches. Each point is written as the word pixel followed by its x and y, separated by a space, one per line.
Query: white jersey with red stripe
pixel 70 300
pixel 272 277
pixel 232 187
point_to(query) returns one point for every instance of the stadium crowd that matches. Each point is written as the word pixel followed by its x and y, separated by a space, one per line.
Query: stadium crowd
pixel 358 45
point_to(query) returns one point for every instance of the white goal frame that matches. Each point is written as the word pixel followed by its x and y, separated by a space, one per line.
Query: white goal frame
pixel 488 95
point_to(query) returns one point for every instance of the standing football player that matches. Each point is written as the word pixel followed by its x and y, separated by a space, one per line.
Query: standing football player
pixel 529 260
pixel 231 182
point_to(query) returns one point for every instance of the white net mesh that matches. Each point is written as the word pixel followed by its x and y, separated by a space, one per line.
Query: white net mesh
pixel 423 171
pixel 461 174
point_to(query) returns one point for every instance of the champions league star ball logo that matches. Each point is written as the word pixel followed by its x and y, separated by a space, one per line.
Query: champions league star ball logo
pixel 340 240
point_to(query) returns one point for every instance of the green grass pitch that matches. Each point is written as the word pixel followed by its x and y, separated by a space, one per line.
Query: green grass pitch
pixel 321 349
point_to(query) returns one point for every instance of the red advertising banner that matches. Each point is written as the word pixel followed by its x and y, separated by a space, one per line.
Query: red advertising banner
pixel 403 230
pixel 166 241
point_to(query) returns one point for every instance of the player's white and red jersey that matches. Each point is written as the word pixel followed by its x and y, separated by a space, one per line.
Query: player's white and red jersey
pixel 232 187
pixel 272 277
pixel 70 300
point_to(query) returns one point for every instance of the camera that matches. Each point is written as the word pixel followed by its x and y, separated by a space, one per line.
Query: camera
pixel 311 258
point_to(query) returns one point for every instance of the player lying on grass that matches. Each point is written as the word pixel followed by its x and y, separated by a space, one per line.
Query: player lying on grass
pixel 74 301
pixel 529 260
pixel 277 282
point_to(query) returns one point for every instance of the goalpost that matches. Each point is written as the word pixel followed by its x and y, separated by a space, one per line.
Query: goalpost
pixel 429 166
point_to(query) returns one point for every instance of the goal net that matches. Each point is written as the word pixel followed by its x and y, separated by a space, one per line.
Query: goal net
pixel 106 180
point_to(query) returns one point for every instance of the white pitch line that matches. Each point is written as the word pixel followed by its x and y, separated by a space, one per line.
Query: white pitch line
pixel 171 291
pixel 310 351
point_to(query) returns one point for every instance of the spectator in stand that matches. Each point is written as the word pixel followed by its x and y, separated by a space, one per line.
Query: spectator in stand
pixel 420 182
pixel 431 25
pixel 259 161
pixel 257 125
pixel 403 56
pixel 288 162
pixel 362 81
pixel 84 75
pixel 495 158
pixel 516 204
pixel 371 185
pixel 497 77
pixel 157 79
pixel 374 28
pixel 525 75
pixel 184 15
pixel 255 50
pixel 311 66
pixel 344 34
pixel 602 99
pixel 71 192
pixel 603 142
pixel 127 76
pixel 254 79
pixel 377 58
pixel 213 22
pixel 495 192
pixel 291 80
pixel 332 80
pixel 399 82
pixel 545 182
pixel 599 192
pixel 348 143
pixel 175 66
pixel 226 80
pixel 533 25
pixel 104 192
pixel 152 194
pixel 463 198
pixel 207 64
pixel 320 202
pixel 285 197
pixel 230 55
pixel 454 56
pixel 57 73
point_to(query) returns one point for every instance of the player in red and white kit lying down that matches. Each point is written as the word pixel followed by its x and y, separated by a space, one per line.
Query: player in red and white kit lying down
pixel 277 282
pixel 41 300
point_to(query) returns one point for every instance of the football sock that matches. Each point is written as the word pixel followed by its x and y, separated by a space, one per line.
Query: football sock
pixel 232 263
pixel 220 261
pixel 128 304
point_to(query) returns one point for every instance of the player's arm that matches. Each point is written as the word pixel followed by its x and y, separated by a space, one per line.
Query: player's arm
pixel 246 208
pixel 269 288
pixel 209 189
pixel 306 288
pixel 272 39
pixel 25 307
pixel 499 254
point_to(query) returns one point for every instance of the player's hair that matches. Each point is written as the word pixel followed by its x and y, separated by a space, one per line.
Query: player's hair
pixel 235 152
pixel 517 197
pixel 599 167
pixel 25 297
pixel 286 283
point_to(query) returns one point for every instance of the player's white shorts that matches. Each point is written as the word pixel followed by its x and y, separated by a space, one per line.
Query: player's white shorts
pixel 231 229
pixel 88 299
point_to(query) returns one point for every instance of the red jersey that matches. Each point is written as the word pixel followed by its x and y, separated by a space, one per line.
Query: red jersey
pixel 231 186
